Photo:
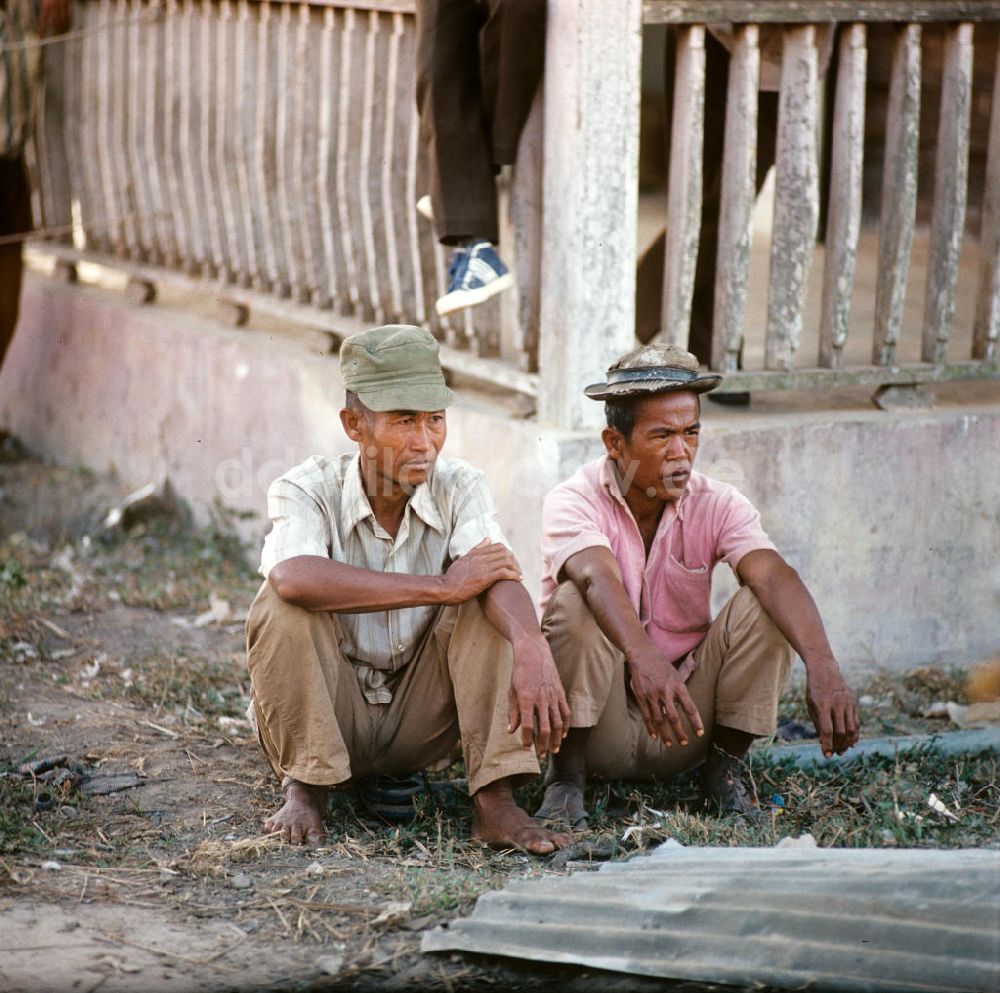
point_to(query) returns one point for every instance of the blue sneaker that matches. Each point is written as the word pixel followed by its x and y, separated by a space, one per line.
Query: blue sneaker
pixel 474 275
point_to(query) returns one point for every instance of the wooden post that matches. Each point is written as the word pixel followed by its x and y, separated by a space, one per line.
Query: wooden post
pixel 739 189
pixel 526 216
pixel 845 196
pixel 899 193
pixel 796 198
pixel 987 328
pixel 950 182
pixel 687 142
pixel 593 56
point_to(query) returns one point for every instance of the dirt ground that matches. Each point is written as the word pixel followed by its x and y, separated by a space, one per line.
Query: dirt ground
pixel 121 654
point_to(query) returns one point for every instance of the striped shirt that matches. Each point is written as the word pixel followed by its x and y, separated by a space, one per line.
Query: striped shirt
pixel 320 508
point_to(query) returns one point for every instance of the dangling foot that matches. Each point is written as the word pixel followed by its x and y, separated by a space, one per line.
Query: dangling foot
pixel 300 819
pixel 475 274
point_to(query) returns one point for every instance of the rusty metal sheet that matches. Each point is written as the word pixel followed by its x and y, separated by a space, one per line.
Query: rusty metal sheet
pixel 790 918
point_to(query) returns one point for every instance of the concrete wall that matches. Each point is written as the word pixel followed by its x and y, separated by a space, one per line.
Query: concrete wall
pixel 892 518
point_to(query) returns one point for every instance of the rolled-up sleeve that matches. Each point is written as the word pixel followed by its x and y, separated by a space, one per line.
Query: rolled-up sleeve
pixel 739 530
pixel 298 526
pixel 474 517
pixel 570 523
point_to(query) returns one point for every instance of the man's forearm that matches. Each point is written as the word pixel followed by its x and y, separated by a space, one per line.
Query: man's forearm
pixel 616 617
pixel 788 603
pixel 318 583
pixel 509 609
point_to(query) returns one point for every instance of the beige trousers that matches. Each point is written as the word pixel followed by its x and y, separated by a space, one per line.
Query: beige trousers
pixel 316 726
pixel 741 668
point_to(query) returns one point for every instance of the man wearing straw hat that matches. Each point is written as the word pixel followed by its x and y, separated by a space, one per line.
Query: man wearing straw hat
pixel 655 685
pixel 392 623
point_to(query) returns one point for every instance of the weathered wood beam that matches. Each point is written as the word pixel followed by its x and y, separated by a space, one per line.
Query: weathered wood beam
pixel 951 170
pixel 816 11
pixel 687 140
pixel 739 188
pixel 796 198
pixel 987 327
pixel 869 375
pixel 845 196
pixel 899 193
pixel 590 201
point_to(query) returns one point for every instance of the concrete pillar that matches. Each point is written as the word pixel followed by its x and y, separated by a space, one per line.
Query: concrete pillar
pixel 592 77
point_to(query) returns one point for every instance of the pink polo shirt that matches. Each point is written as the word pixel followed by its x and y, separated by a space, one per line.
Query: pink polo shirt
pixel 671 590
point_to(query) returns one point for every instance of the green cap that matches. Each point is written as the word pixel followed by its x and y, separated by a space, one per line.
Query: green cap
pixel 395 367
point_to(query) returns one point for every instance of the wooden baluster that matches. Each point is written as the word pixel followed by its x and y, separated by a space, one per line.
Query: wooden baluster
pixel 687 141
pixel 271 276
pixel 844 213
pixel 951 172
pixel 987 327
pixel 796 198
pixel 373 268
pixel 325 194
pixel 72 90
pixel 738 192
pixel 142 64
pixel 344 145
pixel 173 88
pixel 243 97
pixel 197 261
pixel 128 183
pixel 283 141
pixel 303 147
pixel 413 275
pixel 899 193
pixel 391 164
pixel 233 263
pixel 150 66
pixel 113 240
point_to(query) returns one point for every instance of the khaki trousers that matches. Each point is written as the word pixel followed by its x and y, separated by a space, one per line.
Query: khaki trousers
pixel 741 668
pixel 316 726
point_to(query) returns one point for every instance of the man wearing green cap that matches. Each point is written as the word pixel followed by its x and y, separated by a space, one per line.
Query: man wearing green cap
pixel 392 623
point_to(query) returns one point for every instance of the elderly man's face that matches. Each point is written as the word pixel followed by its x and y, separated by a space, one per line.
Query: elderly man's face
pixel 398 446
pixel 658 456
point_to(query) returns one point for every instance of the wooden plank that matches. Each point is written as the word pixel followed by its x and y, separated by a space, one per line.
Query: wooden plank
pixel 243 99
pixel 305 207
pixel 687 141
pixel 411 172
pixel 324 192
pixel 234 264
pixel 868 375
pixel 344 143
pixel 796 198
pixel 739 190
pixel 284 139
pixel 899 192
pixel 153 57
pixel 987 326
pixel 816 11
pixel 951 170
pixel 123 91
pixel 844 211
pixel 591 201
pixel 390 202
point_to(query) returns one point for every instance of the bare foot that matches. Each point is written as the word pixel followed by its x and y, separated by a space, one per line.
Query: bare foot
pixel 300 819
pixel 501 823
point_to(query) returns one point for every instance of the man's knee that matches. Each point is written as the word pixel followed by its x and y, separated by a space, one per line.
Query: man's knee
pixel 269 615
pixel 749 623
pixel 574 636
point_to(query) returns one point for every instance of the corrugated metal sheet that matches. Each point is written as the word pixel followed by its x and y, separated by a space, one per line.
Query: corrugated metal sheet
pixel 830 919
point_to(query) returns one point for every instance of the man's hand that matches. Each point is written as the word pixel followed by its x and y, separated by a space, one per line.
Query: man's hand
pixel 478 570
pixel 662 696
pixel 537 704
pixel 55 17
pixel 833 709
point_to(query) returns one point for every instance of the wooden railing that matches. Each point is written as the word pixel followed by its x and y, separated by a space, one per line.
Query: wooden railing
pixel 797 190
pixel 270 153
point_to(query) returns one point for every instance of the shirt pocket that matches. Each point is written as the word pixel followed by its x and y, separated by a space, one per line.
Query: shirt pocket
pixel 683 604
